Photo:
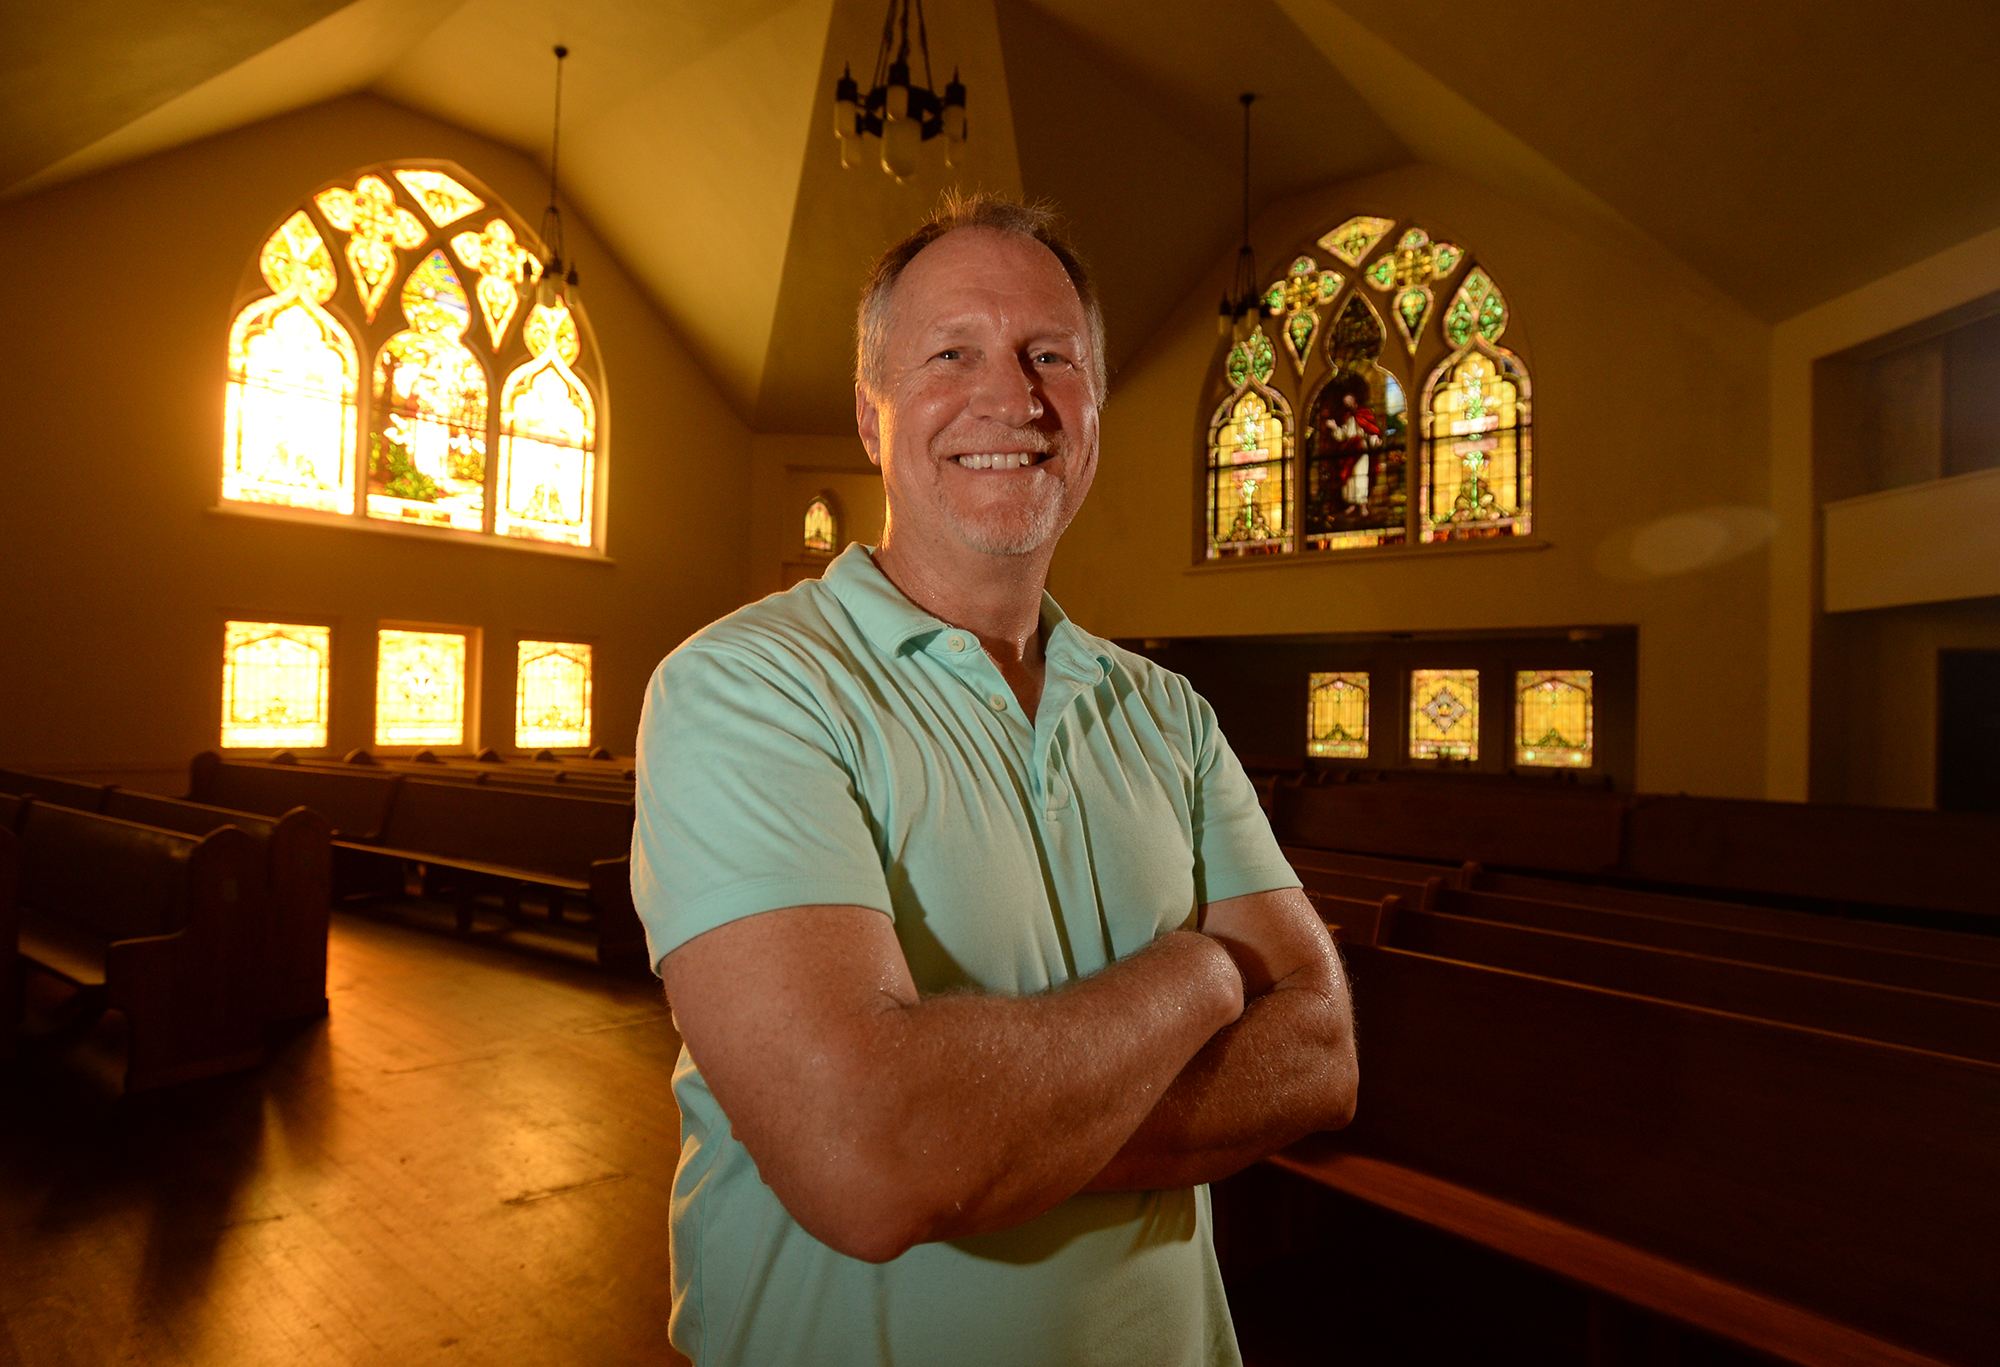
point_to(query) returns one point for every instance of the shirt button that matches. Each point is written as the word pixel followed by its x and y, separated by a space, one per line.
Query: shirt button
pixel 998 702
pixel 954 642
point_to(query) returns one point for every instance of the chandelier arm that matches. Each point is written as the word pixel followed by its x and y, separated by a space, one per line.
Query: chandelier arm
pixel 924 46
pixel 883 54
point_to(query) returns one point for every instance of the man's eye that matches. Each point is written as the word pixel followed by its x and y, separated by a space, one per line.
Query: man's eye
pixel 950 354
pixel 1050 358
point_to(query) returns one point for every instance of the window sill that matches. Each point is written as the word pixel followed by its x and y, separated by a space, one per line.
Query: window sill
pixel 1366 554
pixel 382 527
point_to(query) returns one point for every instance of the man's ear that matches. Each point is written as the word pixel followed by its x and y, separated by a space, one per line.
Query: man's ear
pixel 868 422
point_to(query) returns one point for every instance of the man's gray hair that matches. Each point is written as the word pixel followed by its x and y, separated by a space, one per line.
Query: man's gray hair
pixel 1037 222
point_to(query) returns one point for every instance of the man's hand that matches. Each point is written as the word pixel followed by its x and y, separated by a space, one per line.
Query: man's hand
pixel 882 1120
pixel 1284 1069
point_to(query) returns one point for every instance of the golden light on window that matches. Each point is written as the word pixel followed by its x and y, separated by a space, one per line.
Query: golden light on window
pixel 1477 474
pixel 548 426
pixel 443 199
pixel 427 455
pixel 1552 718
pixel 551 695
pixel 822 531
pixel 1444 714
pixel 274 685
pixel 1337 716
pixel 419 688
pixel 289 410
pixel 375 226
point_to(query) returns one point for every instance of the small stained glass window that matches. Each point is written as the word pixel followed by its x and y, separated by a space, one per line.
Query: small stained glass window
pixel 822 531
pixel 427 456
pixel 551 695
pixel 548 426
pixel 1477 475
pixel 1444 714
pixel 420 688
pixel 1552 718
pixel 1337 716
pixel 274 685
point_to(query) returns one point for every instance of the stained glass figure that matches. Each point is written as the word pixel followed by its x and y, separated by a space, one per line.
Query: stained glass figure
pixel 1357 237
pixel 1477 468
pixel 1249 473
pixel 427 455
pixel 442 199
pixel 1477 309
pixel 289 409
pixel 419 688
pixel 504 266
pixel 548 432
pixel 551 695
pixel 1444 714
pixel 376 226
pixel 274 685
pixel 1407 272
pixel 822 534
pixel 1356 441
pixel 1552 718
pixel 1337 716
pixel 1295 302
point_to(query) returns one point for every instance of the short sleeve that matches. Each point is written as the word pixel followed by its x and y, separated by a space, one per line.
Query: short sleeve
pixel 744 804
pixel 1235 852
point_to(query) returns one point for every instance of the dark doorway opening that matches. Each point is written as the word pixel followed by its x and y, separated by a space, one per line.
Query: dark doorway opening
pixel 1968 735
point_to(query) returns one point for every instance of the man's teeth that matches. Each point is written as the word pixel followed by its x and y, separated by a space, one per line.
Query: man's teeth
pixel 1005 460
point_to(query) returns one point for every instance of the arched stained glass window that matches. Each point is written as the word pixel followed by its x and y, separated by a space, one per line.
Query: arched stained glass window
pixel 1337 716
pixel 1552 718
pixel 822 529
pixel 1373 418
pixel 274 685
pixel 551 695
pixel 458 367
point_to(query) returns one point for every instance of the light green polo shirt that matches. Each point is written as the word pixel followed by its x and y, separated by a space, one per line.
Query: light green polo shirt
pixel 837 744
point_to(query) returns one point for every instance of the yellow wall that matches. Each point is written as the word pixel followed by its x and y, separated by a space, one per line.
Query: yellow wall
pixel 119 571
pixel 1650 450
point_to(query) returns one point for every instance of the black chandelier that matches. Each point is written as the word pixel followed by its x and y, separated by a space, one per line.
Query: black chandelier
pixel 1243 305
pixel 558 276
pixel 901 113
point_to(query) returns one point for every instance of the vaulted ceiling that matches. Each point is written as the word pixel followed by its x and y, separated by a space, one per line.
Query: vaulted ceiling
pixel 1784 152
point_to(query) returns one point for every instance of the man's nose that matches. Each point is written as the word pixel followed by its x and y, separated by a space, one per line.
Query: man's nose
pixel 1009 392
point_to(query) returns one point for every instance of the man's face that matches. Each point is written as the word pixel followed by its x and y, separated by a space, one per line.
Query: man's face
pixel 985 418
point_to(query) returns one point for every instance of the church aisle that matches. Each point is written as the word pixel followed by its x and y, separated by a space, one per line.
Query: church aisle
pixel 469 1161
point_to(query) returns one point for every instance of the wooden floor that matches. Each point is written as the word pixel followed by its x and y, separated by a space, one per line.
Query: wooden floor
pixel 469 1161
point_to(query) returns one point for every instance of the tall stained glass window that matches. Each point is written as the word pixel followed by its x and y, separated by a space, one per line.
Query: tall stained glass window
pixel 419 687
pixel 399 351
pixel 1552 718
pixel 551 695
pixel 274 685
pixel 1352 441
pixel 822 532
pixel 1444 714
pixel 1337 716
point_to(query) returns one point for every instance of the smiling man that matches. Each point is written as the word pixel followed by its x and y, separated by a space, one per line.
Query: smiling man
pixel 984 956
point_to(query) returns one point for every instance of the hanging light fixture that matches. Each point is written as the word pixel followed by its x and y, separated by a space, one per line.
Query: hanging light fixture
pixel 1243 306
pixel 901 113
pixel 558 278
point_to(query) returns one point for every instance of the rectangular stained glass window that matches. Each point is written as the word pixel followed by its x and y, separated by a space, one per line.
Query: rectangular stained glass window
pixel 1444 714
pixel 420 688
pixel 274 685
pixel 1337 716
pixel 1552 718
pixel 551 695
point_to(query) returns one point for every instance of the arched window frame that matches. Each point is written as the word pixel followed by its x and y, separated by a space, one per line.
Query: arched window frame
pixel 366 331
pixel 837 525
pixel 1436 302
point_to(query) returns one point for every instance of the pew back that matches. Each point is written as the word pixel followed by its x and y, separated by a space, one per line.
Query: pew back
pixel 550 835
pixel 356 803
pixel 83 797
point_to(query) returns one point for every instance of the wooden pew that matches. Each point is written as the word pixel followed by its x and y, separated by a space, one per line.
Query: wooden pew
pixel 1571 831
pixel 292 892
pixel 1819 1197
pixel 466 835
pixel 150 923
pixel 354 802
pixel 82 797
pixel 10 932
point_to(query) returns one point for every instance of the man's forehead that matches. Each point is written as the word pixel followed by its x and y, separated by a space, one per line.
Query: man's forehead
pixel 960 280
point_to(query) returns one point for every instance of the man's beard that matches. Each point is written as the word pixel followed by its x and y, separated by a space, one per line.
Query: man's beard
pixel 1023 525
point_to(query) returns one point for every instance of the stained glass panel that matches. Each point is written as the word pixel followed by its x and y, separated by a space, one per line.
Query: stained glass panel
pixel 1295 301
pixel 289 409
pixel 548 436
pixel 1249 475
pixel 504 265
pixel 1478 308
pixel 820 531
pixel 419 688
pixel 376 226
pixel 427 455
pixel 1552 718
pixel 274 685
pixel 440 197
pixel 1355 238
pixel 1477 470
pixel 1444 714
pixel 1337 716
pixel 1356 442
pixel 551 695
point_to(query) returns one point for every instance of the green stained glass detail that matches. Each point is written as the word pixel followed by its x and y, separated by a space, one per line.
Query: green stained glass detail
pixel 1493 317
pixel 1296 299
pixel 1413 239
pixel 1274 298
pixel 1412 307
pixel 1355 238
pixel 1478 307
pixel 1383 273
pixel 433 300
pixel 1299 330
pixel 1448 258
pixel 1238 367
pixel 1263 359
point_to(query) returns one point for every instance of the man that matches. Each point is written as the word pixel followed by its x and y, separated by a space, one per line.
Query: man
pixel 984 956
